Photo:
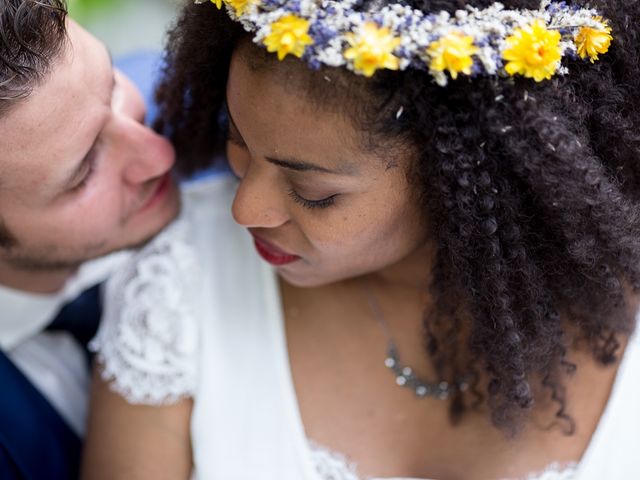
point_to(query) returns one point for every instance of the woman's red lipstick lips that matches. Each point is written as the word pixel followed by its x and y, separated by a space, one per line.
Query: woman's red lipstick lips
pixel 272 254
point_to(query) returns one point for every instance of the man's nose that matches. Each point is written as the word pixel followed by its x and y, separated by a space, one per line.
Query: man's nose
pixel 258 202
pixel 145 154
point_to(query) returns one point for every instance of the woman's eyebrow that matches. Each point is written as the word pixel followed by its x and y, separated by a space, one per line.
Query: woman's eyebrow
pixel 292 163
pixel 301 166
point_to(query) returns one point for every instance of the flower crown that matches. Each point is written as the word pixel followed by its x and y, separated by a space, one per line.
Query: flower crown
pixel 489 41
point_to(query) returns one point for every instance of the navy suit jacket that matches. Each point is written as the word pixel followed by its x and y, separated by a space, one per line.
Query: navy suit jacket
pixel 35 442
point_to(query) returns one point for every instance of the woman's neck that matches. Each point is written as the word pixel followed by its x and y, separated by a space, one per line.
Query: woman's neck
pixel 412 273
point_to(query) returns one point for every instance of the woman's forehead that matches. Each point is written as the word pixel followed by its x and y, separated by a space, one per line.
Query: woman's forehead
pixel 333 89
pixel 276 128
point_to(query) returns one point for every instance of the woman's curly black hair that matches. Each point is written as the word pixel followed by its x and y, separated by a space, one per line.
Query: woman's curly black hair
pixel 531 191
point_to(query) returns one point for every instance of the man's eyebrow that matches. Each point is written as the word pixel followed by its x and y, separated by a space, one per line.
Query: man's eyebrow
pixel 292 163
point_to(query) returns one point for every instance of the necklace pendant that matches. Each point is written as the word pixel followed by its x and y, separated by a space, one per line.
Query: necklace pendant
pixel 405 377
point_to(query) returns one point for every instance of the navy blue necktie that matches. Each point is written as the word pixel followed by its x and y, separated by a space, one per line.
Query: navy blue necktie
pixel 80 317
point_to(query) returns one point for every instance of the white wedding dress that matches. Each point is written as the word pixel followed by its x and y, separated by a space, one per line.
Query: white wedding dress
pixel 197 314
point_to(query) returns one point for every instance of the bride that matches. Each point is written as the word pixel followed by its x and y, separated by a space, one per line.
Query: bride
pixel 425 265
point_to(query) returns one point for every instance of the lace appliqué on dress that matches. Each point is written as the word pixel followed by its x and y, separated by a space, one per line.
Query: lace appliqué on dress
pixel 331 465
pixel 147 342
pixel 556 471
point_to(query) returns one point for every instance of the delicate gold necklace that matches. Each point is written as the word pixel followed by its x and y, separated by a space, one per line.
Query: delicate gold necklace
pixel 404 375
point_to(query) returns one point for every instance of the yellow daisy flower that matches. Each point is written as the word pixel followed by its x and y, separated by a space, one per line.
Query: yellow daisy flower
pixel 290 34
pixel 534 52
pixel 592 41
pixel 240 6
pixel 453 53
pixel 372 49
pixel 217 3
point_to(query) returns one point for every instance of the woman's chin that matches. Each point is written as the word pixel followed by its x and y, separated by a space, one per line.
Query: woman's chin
pixel 312 279
pixel 306 279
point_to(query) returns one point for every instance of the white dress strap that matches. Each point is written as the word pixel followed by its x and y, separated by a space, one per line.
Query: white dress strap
pixel 147 342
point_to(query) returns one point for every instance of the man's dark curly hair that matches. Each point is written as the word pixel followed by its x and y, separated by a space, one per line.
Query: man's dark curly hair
pixel 32 35
pixel 531 192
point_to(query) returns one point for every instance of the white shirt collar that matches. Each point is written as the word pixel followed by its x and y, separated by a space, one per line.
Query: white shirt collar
pixel 26 314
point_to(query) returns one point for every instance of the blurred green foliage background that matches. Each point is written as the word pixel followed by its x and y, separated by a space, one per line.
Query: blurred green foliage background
pixel 86 10
pixel 126 25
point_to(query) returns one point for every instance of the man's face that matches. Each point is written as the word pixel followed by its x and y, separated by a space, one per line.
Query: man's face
pixel 80 175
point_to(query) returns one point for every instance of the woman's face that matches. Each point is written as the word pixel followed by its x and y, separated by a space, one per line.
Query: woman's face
pixel 320 207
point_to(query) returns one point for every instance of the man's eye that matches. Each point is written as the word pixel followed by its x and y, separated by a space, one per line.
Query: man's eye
pixel 84 181
pixel 87 176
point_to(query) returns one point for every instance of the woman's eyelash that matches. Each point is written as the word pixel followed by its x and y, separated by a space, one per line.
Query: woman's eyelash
pixel 311 204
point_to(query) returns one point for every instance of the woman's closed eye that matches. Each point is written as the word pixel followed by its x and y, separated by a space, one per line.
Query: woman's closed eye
pixel 234 138
pixel 311 204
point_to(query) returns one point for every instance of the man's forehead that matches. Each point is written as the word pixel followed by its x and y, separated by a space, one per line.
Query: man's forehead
pixel 55 119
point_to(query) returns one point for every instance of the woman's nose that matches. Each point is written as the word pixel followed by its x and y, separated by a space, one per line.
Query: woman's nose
pixel 259 201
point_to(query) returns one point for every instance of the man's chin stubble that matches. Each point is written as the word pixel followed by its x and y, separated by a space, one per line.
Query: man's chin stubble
pixel 49 264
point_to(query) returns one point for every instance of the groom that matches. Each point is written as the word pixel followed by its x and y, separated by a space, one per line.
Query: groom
pixel 80 177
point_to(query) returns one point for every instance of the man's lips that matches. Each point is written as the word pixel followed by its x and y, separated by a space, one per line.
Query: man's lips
pixel 158 193
pixel 273 254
